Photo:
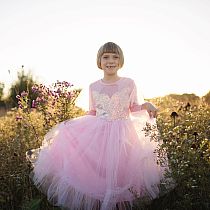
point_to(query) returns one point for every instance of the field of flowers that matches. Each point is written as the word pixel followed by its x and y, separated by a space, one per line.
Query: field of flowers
pixel 184 130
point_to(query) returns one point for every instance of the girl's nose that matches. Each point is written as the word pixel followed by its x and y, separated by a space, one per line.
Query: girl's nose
pixel 111 60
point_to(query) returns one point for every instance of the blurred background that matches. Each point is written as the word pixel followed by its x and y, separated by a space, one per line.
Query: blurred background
pixel 166 43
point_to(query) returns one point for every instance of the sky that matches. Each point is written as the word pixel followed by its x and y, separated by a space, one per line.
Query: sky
pixel 166 43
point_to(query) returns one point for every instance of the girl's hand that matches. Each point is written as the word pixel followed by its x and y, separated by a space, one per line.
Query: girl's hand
pixel 151 109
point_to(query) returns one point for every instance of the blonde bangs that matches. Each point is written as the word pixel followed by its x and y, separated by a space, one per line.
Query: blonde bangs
pixel 110 47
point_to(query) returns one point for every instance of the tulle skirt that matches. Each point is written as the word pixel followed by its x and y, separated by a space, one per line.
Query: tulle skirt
pixel 90 163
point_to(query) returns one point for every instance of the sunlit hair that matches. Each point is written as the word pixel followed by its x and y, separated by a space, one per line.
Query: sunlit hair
pixel 110 47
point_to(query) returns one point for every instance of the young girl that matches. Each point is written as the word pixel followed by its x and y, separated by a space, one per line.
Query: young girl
pixel 97 161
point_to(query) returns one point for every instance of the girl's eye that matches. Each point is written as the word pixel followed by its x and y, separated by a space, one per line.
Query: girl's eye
pixel 116 56
pixel 105 57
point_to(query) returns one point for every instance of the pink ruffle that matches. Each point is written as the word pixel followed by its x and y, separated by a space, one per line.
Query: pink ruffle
pixel 90 163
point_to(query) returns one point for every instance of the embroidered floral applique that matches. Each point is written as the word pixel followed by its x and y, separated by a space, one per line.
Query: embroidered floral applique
pixel 114 107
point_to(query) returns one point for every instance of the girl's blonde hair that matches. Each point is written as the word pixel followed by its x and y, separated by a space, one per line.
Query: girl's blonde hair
pixel 110 47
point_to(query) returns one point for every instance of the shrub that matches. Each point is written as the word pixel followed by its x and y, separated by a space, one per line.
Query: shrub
pixel 187 142
pixel 22 129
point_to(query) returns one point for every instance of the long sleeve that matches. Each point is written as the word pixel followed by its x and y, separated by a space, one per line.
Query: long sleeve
pixel 137 112
pixel 135 101
pixel 92 110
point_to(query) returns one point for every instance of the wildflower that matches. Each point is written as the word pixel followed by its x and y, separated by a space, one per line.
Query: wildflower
pixel 35 88
pixel 20 105
pixel 33 104
pixel 24 93
pixel 18 118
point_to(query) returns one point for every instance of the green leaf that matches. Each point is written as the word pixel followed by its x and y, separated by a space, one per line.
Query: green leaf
pixel 34 204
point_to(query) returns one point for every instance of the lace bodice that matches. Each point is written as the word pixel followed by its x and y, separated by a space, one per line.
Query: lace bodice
pixel 113 101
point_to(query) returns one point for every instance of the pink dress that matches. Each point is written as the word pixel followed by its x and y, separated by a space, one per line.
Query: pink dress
pixel 92 162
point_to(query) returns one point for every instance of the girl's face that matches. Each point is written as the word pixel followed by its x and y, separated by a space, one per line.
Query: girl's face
pixel 110 63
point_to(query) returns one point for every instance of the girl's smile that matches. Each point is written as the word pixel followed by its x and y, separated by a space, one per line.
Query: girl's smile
pixel 110 63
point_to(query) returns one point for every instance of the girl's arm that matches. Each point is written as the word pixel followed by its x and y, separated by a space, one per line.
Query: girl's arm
pixel 138 105
pixel 92 110
pixel 151 109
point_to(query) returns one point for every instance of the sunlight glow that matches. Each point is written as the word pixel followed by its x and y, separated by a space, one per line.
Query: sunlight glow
pixel 164 52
